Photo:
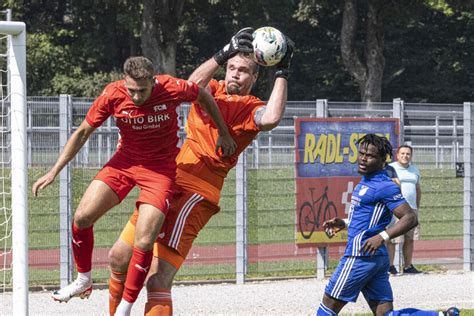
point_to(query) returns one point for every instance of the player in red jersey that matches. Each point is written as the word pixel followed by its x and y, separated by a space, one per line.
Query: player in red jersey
pixel 200 172
pixel 145 108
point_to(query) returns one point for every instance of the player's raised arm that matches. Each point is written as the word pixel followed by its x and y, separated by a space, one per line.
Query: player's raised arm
pixel 204 73
pixel 73 145
pixel 240 42
pixel 269 117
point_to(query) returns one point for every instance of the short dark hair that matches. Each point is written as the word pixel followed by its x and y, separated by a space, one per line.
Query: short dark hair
pixel 138 68
pixel 405 146
pixel 382 144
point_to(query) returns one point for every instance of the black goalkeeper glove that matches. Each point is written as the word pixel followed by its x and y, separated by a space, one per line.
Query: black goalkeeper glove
pixel 240 42
pixel 283 67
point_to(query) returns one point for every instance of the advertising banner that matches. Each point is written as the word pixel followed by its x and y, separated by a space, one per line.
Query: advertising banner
pixel 326 171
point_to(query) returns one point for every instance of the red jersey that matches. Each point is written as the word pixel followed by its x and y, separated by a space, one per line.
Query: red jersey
pixel 200 169
pixel 148 133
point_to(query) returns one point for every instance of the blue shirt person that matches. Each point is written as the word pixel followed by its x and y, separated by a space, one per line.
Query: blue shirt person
pixel 364 266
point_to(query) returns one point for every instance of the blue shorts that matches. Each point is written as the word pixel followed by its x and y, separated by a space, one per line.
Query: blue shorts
pixel 368 275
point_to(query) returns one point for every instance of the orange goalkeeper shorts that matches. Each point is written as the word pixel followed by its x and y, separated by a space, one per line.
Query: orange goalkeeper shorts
pixel 155 182
pixel 188 214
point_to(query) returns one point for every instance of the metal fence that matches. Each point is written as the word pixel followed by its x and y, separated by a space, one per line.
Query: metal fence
pixel 258 197
pixel 434 130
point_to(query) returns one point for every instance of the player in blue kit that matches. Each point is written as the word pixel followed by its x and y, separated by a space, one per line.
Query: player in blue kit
pixel 365 264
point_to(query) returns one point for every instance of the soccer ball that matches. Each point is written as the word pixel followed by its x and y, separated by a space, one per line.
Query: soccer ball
pixel 269 46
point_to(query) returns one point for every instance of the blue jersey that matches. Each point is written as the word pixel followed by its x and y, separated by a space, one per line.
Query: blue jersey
pixel 373 200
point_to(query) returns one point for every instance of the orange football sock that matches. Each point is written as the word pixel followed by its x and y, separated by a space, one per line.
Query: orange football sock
pixel 116 286
pixel 159 303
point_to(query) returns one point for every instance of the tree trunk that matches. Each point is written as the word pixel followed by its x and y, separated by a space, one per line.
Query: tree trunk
pixel 112 40
pixel 374 52
pixel 160 22
pixel 368 74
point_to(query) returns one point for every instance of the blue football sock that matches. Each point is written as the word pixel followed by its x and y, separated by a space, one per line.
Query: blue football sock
pixel 324 311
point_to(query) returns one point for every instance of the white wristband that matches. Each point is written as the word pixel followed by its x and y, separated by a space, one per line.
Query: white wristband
pixel 384 235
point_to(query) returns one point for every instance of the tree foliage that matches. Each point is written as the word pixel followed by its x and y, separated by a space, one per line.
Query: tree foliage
pixel 77 46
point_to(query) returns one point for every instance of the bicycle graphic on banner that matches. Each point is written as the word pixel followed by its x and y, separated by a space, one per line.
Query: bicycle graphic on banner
pixel 314 213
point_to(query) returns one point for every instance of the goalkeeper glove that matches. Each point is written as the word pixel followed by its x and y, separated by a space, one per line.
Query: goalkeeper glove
pixel 283 67
pixel 240 42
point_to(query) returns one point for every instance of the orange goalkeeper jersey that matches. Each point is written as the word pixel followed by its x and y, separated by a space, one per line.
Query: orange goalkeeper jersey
pixel 200 169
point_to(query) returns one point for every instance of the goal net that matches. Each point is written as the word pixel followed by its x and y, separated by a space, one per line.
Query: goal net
pixel 13 168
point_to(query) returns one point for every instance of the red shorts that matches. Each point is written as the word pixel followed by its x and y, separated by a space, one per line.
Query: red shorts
pixel 188 214
pixel 155 182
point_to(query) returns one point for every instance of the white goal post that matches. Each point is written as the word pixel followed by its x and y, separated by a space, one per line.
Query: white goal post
pixel 16 56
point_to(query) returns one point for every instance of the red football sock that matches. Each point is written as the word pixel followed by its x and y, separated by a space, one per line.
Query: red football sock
pixel 116 286
pixel 136 274
pixel 159 303
pixel 82 246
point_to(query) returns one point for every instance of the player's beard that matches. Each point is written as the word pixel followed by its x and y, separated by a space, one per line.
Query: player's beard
pixel 233 88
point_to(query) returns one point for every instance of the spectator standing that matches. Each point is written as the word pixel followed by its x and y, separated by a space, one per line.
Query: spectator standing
pixel 409 177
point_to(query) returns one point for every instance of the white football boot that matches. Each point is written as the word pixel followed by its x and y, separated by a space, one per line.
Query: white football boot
pixel 75 289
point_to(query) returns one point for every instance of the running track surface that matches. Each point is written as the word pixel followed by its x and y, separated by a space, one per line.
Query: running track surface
pixel 425 250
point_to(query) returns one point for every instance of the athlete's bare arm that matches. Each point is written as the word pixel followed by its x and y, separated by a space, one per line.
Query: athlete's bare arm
pixel 204 73
pixel 225 140
pixel 73 145
pixel 407 220
pixel 269 117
